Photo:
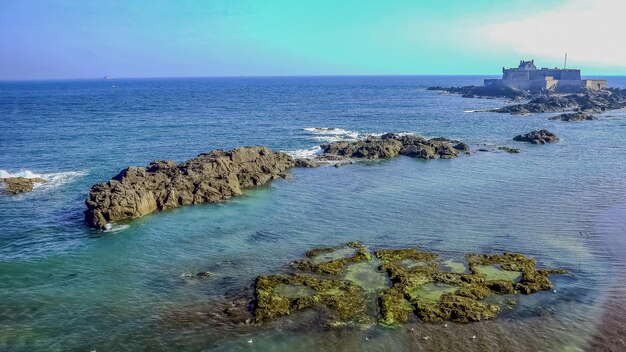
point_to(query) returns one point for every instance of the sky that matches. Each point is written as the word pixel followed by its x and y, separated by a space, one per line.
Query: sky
pixel 50 39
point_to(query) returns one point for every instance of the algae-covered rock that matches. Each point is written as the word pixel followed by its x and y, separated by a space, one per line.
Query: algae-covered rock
pixel 334 259
pixel 343 298
pixel 398 284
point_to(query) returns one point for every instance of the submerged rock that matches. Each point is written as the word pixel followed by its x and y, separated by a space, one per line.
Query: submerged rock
pixel 346 280
pixel 508 149
pixel 537 137
pixel 212 177
pixel 576 116
pixel 391 145
pixel 16 185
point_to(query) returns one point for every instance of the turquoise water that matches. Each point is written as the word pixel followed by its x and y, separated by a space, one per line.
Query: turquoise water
pixel 65 287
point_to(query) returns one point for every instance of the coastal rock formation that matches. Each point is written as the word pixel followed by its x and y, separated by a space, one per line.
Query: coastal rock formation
pixel 484 92
pixel 212 177
pixel 590 101
pixel 537 137
pixel 351 287
pixel 392 144
pixel 16 185
pixel 576 116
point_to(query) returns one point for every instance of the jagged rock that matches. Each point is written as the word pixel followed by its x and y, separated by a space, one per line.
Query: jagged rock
pixel 392 144
pixel 212 177
pixel 576 116
pixel 306 163
pixel 537 137
pixel 15 185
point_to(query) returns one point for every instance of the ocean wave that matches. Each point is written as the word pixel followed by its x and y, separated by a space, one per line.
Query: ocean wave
pixel 114 228
pixel 54 179
pixel 331 134
pixel 305 153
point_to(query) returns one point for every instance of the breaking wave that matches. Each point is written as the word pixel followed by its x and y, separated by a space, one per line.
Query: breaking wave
pixel 330 134
pixel 54 179
pixel 305 153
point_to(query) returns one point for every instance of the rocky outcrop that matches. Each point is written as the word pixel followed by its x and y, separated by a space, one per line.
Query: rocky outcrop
pixel 392 144
pixel 16 185
pixel 537 137
pixel 576 116
pixel 484 92
pixel 209 178
pixel 592 101
pixel 306 163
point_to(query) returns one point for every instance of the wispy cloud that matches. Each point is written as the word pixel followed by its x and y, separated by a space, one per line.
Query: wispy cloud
pixel 590 31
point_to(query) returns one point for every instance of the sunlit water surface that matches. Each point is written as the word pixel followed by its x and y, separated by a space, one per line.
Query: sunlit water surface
pixel 64 287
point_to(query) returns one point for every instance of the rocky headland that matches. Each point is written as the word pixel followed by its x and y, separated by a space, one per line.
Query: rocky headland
pixel 545 101
pixel 16 185
pixel 537 137
pixel 209 178
pixel 591 101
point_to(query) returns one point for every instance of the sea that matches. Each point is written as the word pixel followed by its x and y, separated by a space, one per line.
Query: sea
pixel 64 287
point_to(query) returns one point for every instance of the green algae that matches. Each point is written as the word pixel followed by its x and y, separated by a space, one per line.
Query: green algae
pixel 333 260
pixel 341 253
pixel 293 291
pixel 407 283
pixel 367 275
pixel 409 264
pixel 496 272
pixel 452 266
pixel 432 292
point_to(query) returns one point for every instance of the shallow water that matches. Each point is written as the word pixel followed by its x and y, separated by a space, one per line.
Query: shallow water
pixel 432 292
pixel 64 287
pixel 495 272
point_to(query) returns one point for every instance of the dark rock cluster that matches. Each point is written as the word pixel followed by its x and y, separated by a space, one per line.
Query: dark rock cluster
pixel 537 137
pixel 391 145
pixel 575 116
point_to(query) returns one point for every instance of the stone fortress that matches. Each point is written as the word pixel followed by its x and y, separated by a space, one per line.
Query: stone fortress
pixel 528 77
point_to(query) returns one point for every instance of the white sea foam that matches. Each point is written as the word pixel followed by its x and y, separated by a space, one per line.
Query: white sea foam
pixel 305 153
pixel 54 179
pixel 330 134
pixel 114 228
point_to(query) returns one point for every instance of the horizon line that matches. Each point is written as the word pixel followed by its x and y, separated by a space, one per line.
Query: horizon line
pixel 263 76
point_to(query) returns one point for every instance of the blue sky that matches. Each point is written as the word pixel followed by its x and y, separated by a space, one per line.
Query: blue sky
pixel 156 38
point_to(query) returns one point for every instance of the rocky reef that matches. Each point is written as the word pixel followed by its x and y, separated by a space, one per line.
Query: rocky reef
pixel 591 101
pixel 219 175
pixel 350 286
pixel 391 145
pixel 209 178
pixel 576 116
pixel 484 92
pixel 16 185
pixel 537 137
